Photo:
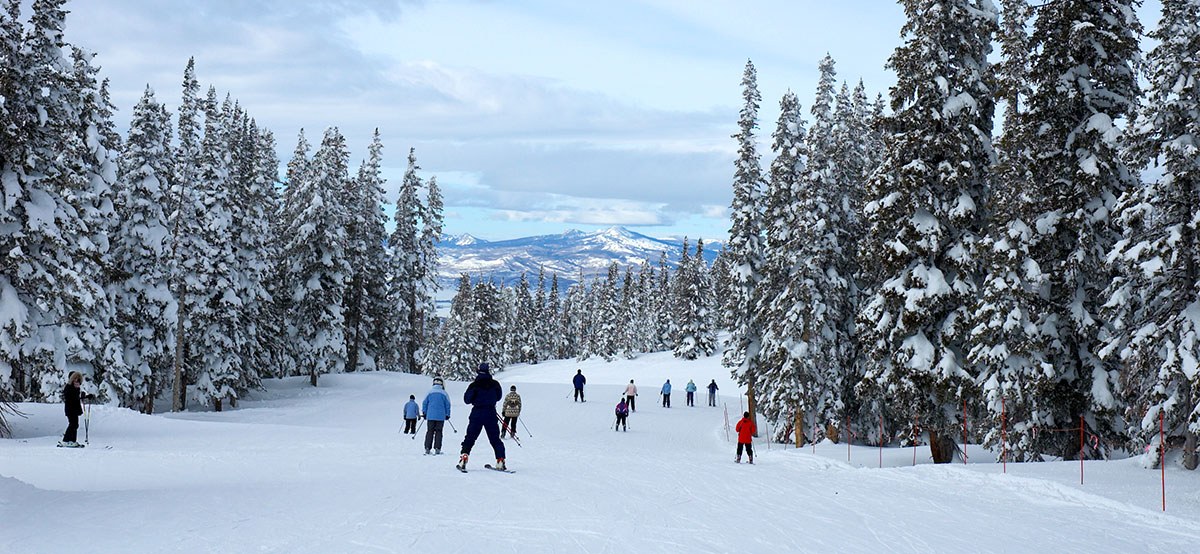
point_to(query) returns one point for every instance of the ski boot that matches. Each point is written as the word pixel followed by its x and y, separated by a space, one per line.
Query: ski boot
pixel 500 464
pixel 751 460
pixel 462 462
pixel 737 460
pixel 427 452
pixel 437 452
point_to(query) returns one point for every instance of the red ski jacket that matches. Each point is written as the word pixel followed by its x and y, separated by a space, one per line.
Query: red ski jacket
pixel 745 430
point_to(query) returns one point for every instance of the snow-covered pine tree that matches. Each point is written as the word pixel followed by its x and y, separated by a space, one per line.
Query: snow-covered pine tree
pixel 366 290
pixel 745 246
pixel 521 333
pixel 1007 349
pixel 605 314
pixel 1083 83
pixel 405 275
pixel 490 307
pixel 216 332
pixel 1154 301
pixel 664 324
pixel 540 320
pixel 57 172
pixel 925 217
pixel 258 200
pixel 427 284
pixel 315 253
pixel 458 345
pixel 145 307
pixel 629 327
pixel 555 331
pixel 799 345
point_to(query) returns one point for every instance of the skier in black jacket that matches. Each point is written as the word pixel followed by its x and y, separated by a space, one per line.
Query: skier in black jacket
pixel 73 408
pixel 482 394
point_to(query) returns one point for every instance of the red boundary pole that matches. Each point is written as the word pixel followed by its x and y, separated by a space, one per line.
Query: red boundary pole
pixel 1162 461
pixel 880 441
pixel 849 434
pixel 916 431
pixel 1081 449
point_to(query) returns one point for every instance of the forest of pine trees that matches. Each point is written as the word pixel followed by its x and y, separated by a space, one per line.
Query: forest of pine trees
pixel 914 271
pixel 900 273
pixel 173 262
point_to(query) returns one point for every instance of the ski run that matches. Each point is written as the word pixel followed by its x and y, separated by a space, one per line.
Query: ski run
pixel 317 470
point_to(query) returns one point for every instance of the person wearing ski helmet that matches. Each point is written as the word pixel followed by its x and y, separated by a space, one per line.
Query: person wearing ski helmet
pixel 512 411
pixel 436 411
pixel 411 413
pixel 712 393
pixel 691 393
pixel 483 394
pixel 666 394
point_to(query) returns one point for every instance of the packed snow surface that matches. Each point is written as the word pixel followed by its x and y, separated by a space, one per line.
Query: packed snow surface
pixel 317 470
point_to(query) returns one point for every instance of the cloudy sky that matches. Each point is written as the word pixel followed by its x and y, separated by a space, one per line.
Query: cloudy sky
pixel 537 116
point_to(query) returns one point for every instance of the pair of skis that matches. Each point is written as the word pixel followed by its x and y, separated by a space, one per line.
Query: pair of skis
pixel 488 466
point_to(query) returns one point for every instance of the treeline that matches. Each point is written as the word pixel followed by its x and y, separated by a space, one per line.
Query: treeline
pixel 174 259
pixel 930 274
pixel 647 309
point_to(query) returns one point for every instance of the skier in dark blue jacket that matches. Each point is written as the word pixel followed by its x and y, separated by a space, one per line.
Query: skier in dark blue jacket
pixel 482 394
pixel 579 381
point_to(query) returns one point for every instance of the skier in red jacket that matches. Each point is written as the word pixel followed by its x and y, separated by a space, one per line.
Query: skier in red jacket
pixel 745 430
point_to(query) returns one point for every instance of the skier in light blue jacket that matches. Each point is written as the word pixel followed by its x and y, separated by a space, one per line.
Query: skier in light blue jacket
pixel 411 413
pixel 666 392
pixel 691 393
pixel 436 410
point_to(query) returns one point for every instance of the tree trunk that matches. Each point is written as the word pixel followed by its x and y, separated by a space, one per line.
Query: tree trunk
pixel 178 389
pixel 312 376
pixel 148 401
pixel 1189 451
pixel 750 405
pixel 938 449
pixel 833 433
pixel 800 428
pixel 216 404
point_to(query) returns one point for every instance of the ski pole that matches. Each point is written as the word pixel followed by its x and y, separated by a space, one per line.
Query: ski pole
pixel 451 425
pixel 514 436
pixel 526 427
pixel 87 420
pixel 419 425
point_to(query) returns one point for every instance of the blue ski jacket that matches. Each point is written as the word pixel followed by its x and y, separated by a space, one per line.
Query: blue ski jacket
pixel 666 388
pixel 482 394
pixel 411 411
pixel 437 404
pixel 691 387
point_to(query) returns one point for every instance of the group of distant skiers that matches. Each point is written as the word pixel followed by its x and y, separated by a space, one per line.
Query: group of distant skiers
pixel 482 394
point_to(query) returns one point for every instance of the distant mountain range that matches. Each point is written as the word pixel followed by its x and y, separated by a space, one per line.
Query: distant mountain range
pixel 567 255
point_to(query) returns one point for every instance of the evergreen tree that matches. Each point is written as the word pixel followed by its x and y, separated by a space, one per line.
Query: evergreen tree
pixel 366 290
pixel 405 270
pixel 745 245
pixel 316 259
pixel 925 217
pixel 189 252
pixel 1154 300
pixel 427 285
pixel 145 308
pixel 1082 81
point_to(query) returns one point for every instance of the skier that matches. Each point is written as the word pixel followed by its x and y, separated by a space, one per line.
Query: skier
pixel 411 413
pixel 631 395
pixel 579 381
pixel 483 393
pixel 512 410
pixel 622 415
pixel 436 411
pixel 712 393
pixel 745 430
pixel 73 408
pixel 691 393
pixel 666 394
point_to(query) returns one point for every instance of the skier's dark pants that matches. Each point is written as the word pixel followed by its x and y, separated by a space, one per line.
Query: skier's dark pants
pixel 410 426
pixel 486 421
pixel 621 422
pixel 749 449
pixel 666 401
pixel 510 425
pixel 433 434
pixel 691 398
pixel 629 400
pixel 578 395
pixel 72 429
pixel 712 399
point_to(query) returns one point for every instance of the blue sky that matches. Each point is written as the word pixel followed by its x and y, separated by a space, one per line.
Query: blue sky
pixel 537 116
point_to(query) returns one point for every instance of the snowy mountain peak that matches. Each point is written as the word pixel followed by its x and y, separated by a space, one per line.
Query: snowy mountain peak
pixel 465 239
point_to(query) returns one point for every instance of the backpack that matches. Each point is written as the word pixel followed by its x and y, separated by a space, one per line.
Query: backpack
pixel 622 409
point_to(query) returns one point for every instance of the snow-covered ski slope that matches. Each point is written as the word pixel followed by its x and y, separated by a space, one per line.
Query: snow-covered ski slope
pixel 303 470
